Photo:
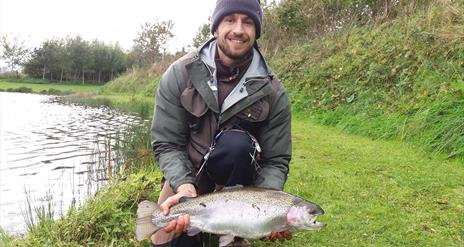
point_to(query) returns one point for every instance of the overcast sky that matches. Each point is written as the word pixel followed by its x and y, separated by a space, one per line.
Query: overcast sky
pixel 109 21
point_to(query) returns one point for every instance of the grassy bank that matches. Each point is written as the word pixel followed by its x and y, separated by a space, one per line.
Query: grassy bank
pixel 46 88
pixel 402 79
pixel 118 97
pixel 133 92
pixel 133 103
pixel 375 193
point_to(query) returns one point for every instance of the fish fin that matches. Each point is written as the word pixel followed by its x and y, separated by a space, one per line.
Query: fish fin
pixel 237 186
pixel 144 225
pixel 192 231
pixel 224 240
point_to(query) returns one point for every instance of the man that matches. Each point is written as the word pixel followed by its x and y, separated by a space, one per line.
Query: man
pixel 221 118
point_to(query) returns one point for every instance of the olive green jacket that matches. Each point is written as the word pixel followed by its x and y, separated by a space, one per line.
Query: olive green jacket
pixel 187 117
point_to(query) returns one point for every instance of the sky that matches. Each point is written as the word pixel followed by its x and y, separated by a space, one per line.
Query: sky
pixel 110 21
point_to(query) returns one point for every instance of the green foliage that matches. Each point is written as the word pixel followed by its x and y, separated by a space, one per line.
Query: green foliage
pixel 75 59
pixel 136 148
pixel 398 79
pixel 6 239
pixel 142 105
pixel 106 219
pixel 294 21
pixel 135 81
pixel 150 45
pixel 292 17
pixel 14 52
pixel 203 34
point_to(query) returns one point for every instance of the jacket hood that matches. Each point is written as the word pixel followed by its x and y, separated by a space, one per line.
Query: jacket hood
pixel 258 67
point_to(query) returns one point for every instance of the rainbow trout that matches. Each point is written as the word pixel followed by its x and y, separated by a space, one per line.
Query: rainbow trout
pixel 246 212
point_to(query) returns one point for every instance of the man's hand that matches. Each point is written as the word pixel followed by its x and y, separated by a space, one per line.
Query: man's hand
pixel 279 236
pixel 181 224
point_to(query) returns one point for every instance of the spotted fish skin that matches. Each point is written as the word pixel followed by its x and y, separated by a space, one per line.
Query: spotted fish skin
pixel 245 212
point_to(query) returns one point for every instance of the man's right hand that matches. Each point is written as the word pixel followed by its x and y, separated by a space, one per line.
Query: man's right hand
pixel 180 225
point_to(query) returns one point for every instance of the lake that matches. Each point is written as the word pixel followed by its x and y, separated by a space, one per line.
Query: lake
pixel 53 154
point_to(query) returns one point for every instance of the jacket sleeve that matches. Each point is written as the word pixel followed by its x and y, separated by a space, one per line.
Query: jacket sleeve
pixel 169 132
pixel 276 144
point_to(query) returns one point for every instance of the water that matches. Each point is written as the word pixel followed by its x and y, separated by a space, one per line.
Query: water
pixel 50 153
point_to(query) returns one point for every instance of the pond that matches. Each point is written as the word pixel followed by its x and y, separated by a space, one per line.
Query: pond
pixel 51 154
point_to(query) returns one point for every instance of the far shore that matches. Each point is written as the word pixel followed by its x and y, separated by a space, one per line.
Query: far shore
pixel 45 87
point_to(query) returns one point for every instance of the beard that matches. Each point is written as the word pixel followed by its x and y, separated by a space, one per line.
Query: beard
pixel 232 54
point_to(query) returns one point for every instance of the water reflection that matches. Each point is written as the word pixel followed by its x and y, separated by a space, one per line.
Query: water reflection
pixel 50 150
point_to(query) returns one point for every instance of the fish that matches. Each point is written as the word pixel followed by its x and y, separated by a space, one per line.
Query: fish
pixel 245 212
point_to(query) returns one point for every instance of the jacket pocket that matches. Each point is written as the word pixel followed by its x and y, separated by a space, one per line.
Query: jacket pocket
pixel 257 112
pixel 196 107
pixel 252 117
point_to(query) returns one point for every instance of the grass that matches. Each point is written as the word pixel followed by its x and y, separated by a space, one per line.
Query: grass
pixel 142 81
pixel 47 88
pixel 106 219
pixel 374 193
pixel 134 103
pixel 402 79
pixel 6 239
pixel 132 92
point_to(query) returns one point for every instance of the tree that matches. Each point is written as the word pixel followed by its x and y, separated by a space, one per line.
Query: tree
pixel 81 57
pixel 203 34
pixel 14 52
pixel 76 59
pixel 119 61
pixel 149 46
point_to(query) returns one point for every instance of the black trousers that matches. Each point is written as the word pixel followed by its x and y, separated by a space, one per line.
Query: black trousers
pixel 230 163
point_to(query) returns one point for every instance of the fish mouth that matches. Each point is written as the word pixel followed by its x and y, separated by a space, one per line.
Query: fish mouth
pixel 316 211
pixel 316 225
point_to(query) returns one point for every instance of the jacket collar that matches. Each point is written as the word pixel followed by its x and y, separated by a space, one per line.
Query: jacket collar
pixel 258 67
pixel 202 73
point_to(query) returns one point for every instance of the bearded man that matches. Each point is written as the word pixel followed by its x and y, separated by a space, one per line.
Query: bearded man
pixel 221 119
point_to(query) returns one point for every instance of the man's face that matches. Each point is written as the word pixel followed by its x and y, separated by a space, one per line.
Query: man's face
pixel 236 34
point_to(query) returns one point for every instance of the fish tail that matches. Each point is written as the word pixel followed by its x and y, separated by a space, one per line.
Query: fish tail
pixel 144 225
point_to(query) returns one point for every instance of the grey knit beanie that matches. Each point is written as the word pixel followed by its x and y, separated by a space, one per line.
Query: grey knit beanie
pixel 250 8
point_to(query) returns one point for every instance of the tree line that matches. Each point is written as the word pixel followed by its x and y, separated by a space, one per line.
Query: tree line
pixel 75 59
